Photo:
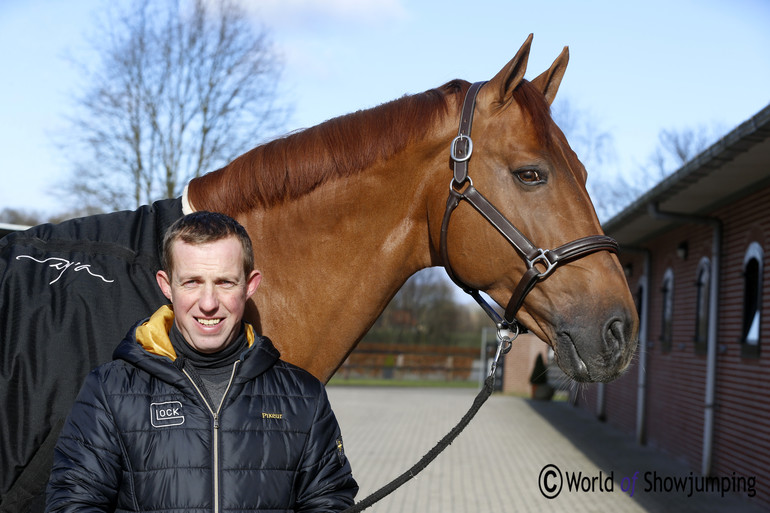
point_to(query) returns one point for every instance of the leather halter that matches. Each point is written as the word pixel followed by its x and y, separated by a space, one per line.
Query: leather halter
pixel 540 262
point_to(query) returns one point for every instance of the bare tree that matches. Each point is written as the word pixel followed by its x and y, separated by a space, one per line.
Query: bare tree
pixel 179 88
pixel 595 147
pixel 593 144
pixel 612 189
pixel 675 149
pixel 425 310
pixel 20 217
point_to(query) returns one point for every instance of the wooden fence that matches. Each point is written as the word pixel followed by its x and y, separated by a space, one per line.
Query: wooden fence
pixel 410 362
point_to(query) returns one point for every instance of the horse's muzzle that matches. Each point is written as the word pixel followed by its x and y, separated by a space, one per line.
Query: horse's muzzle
pixel 590 355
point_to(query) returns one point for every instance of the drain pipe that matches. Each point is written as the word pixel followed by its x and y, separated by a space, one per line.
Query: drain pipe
pixel 644 309
pixel 641 390
pixel 601 409
pixel 711 355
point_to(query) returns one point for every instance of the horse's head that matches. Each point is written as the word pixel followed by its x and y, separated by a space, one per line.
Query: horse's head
pixel 523 165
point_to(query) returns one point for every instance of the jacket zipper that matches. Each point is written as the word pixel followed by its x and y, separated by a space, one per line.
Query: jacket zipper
pixel 215 416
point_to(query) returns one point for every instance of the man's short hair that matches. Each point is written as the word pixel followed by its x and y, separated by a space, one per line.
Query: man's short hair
pixel 205 227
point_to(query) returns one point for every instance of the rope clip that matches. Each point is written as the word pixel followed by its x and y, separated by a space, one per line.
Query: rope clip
pixel 506 334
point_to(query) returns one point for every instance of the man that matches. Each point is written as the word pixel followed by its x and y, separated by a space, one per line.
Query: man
pixel 197 413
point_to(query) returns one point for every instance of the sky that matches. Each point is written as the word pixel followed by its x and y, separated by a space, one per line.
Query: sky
pixel 636 67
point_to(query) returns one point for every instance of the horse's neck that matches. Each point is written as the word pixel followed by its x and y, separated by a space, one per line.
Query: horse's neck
pixel 332 260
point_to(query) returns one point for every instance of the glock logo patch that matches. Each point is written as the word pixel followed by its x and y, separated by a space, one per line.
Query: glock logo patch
pixel 166 414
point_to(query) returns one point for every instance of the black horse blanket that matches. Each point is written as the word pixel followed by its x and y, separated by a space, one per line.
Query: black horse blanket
pixel 68 295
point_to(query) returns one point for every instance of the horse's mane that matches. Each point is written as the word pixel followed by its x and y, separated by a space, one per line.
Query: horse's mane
pixel 293 165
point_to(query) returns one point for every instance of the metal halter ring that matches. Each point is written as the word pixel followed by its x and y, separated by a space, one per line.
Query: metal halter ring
pixel 542 258
pixel 506 334
pixel 454 185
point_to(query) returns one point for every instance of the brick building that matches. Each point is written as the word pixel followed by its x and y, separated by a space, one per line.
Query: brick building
pixel 695 250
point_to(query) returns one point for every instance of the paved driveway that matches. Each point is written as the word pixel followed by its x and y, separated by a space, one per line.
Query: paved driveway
pixel 508 452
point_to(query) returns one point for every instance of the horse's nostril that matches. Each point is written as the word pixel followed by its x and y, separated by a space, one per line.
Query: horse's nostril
pixel 615 338
pixel 618 341
pixel 614 335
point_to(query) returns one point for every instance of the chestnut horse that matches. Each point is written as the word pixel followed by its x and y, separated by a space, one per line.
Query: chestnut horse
pixel 344 212
pixel 341 215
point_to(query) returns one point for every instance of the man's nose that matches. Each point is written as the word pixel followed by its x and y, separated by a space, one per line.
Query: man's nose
pixel 208 300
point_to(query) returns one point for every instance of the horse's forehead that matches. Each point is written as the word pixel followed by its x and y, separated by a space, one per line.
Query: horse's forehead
pixel 567 156
pixel 514 130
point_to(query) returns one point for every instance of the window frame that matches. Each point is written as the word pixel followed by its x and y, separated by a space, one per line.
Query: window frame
pixel 752 320
pixel 702 305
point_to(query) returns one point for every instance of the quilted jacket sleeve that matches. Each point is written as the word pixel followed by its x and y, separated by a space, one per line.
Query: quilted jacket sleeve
pixel 325 481
pixel 86 467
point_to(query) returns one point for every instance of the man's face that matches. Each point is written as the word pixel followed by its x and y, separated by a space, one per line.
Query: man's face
pixel 208 290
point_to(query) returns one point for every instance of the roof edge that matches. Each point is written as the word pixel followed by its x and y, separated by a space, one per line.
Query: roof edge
pixel 743 137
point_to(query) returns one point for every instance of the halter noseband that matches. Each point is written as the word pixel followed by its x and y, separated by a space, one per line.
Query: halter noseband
pixel 540 262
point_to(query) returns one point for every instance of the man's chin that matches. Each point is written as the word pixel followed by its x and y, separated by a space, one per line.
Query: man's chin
pixel 206 342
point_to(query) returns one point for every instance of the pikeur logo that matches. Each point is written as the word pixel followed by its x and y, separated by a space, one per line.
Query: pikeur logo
pixel 166 414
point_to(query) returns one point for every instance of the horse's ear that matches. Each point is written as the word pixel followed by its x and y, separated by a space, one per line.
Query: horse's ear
pixel 506 80
pixel 548 82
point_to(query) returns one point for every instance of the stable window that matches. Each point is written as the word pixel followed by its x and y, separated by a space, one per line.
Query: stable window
pixel 667 314
pixel 752 304
pixel 703 286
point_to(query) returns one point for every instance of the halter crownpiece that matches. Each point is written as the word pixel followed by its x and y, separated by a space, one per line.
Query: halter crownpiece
pixel 540 262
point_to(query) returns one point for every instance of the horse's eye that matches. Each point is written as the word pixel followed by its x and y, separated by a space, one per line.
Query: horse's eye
pixel 530 176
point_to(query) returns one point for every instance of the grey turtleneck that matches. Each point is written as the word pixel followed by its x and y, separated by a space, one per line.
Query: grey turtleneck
pixel 210 371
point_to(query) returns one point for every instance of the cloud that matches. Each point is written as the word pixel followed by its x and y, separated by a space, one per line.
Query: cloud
pixel 319 14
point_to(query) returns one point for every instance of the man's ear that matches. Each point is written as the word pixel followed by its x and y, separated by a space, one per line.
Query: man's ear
pixel 252 282
pixel 164 282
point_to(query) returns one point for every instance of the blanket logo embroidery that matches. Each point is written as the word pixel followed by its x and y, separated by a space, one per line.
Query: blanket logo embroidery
pixel 166 414
pixel 62 264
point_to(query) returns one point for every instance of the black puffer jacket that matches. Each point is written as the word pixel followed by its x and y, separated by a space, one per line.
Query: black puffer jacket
pixel 141 438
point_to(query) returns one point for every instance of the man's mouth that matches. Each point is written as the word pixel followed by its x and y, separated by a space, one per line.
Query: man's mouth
pixel 209 322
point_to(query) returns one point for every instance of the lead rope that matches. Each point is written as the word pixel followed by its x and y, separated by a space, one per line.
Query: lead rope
pixel 505 341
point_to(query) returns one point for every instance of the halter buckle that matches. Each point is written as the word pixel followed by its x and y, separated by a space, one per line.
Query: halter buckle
pixel 453 148
pixel 542 259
